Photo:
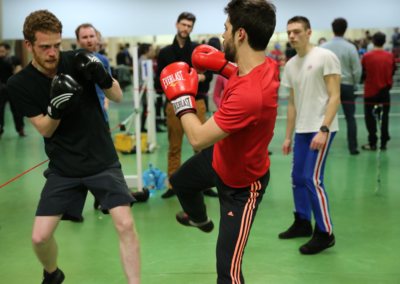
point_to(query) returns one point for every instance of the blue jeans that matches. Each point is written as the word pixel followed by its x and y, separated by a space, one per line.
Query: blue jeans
pixel 347 95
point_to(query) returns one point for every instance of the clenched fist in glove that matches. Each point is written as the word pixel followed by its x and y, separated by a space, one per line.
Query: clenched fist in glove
pixel 206 57
pixel 180 83
pixel 92 68
pixel 63 87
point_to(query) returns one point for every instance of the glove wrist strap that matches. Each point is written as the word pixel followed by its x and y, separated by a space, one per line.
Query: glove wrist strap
pixel 184 104
pixel 53 113
pixel 227 70
pixel 107 83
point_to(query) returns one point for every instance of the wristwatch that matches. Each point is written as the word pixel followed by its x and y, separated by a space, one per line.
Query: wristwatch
pixel 324 129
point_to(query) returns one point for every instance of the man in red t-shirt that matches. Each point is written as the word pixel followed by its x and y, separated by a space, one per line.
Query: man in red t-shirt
pixel 379 67
pixel 277 53
pixel 234 142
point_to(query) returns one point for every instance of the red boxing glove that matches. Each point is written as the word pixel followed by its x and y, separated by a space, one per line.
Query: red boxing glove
pixel 206 57
pixel 180 83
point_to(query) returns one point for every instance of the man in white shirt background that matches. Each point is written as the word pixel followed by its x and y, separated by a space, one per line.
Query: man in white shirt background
pixel 313 76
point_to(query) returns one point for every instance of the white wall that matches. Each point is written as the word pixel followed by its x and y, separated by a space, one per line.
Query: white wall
pixel 120 18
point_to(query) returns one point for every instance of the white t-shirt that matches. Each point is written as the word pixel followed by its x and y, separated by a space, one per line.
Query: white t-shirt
pixel 305 76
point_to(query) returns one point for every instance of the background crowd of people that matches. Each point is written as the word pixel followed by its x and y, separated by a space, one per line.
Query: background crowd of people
pixel 122 71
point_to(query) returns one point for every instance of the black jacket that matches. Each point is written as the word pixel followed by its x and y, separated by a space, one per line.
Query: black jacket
pixel 174 53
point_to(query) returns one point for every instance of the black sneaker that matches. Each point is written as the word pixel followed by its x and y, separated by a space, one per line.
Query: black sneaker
pixel 206 226
pixel 210 192
pixel 369 147
pixel 354 152
pixel 97 205
pixel 383 147
pixel 57 277
pixel 300 228
pixel 168 194
pixel 320 241
pixel 22 133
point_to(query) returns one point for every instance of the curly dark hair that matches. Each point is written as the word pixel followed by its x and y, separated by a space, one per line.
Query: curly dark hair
pixel 256 17
pixel 40 21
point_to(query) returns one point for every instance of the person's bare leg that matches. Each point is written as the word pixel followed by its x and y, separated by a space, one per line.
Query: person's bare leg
pixel 129 249
pixel 43 241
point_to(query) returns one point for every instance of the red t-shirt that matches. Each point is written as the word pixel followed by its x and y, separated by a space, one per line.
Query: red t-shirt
pixel 248 113
pixel 379 65
pixel 276 52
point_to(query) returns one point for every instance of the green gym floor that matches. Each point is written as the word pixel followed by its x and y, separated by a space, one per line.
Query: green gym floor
pixel 366 224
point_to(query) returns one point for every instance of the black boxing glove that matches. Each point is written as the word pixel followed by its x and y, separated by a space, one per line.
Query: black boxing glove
pixel 63 87
pixel 92 68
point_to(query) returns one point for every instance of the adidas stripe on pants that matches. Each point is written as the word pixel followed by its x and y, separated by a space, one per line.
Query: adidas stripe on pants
pixel 238 208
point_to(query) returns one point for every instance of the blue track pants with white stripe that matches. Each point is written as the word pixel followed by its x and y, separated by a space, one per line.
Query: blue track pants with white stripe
pixel 307 179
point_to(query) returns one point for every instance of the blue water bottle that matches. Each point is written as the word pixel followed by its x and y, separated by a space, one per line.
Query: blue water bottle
pixel 151 184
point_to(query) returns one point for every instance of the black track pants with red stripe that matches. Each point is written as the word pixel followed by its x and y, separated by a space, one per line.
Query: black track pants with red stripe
pixel 238 208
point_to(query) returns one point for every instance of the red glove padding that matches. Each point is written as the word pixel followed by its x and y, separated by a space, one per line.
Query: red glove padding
pixel 206 57
pixel 180 83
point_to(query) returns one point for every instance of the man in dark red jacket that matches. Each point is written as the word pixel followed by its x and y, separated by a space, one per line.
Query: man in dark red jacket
pixel 379 66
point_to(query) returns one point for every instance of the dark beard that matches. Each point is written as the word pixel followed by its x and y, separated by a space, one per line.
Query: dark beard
pixel 230 51
pixel 42 62
pixel 182 37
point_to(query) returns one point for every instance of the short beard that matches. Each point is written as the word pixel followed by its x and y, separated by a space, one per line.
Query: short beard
pixel 42 63
pixel 182 37
pixel 230 51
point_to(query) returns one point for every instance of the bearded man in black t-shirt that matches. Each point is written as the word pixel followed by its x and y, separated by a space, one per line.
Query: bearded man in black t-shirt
pixel 56 91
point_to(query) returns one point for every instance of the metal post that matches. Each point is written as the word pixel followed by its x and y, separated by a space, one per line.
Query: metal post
pixel 137 118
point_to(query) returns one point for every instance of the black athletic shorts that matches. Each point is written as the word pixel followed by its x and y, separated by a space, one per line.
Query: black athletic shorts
pixel 66 195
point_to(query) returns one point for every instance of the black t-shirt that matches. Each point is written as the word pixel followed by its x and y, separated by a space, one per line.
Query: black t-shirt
pixel 290 52
pixel 174 53
pixel 81 145
pixel 7 66
pixel 121 58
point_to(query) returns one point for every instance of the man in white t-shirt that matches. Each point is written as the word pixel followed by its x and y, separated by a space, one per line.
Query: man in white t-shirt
pixel 313 76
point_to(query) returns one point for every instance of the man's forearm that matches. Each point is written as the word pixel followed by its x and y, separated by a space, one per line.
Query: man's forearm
pixel 332 82
pixel 331 111
pixel 201 136
pixel 106 103
pixel 191 125
pixel 291 120
pixel 45 125
pixel 114 93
